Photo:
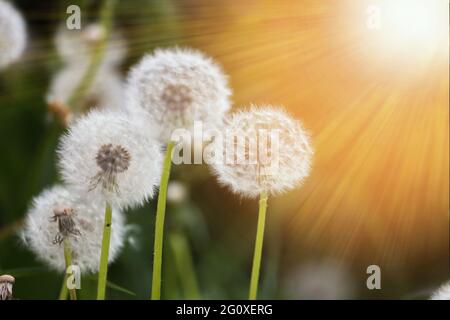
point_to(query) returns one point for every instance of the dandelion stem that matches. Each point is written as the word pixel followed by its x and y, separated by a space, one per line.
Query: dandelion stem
pixel 102 275
pixel 106 15
pixel 159 224
pixel 258 246
pixel 185 265
pixel 68 260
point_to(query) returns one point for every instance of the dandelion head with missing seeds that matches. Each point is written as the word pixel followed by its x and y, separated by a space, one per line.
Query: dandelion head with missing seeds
pixel 105 92
pixel 263 150
pixel 13 35
pixel 109 157
pixel 176 87
pixel 57 214
pixel 6 287
pixel 76 47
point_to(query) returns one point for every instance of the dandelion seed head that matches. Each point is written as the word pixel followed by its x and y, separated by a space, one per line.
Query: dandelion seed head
pixel 443 293
pixel 111 157
pixel 270 151
pixel 13 36
pixel 105 92
pixel 77 46
pixel 64 215
pixel 111 160
pixel 41 227
pixel 6 287
pixel 176 87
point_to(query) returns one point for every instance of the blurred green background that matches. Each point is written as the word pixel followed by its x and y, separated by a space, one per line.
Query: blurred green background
pixel 218 226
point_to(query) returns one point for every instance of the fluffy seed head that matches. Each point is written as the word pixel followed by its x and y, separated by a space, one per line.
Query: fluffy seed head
pixel 443 293
pixel 13 35
pixel 105 92
pixel 76 46
pixel 110 157
pixel 263 149
pixel 176 87
pixel 58 214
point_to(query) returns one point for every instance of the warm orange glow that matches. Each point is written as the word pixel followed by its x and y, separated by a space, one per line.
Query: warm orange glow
pixel 377 109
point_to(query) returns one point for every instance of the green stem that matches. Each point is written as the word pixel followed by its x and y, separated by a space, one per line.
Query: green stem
pixel 258 246
pixel 63 292
pixel 68 260
pixel 184 265
pixel 103 272
pixel 106 17
pixel 159 224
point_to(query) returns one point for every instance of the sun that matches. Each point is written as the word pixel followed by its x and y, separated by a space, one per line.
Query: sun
pixel 420 22
pixel 412 27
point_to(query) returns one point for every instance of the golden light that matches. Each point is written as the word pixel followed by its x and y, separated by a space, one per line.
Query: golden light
pixel 418 21
pixel 376 103
pixel 407 29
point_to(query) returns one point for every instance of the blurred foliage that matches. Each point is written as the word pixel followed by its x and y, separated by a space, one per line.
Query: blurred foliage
pixel 214 223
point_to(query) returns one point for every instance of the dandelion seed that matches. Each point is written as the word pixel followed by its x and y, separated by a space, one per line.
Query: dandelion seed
pixel 6 287
pixel 59 213
pixel 111 158
pixel 443 293
pixel 13 35
pixel 176 87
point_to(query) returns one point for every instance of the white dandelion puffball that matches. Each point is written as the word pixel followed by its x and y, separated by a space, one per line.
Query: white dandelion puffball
pixel 106 91
pixel 13 36
pixel 263 149
pixel 325 280
pixel 176 87
pixel 58 214
pixel 77 46
pixel 443 293
pixel 111 157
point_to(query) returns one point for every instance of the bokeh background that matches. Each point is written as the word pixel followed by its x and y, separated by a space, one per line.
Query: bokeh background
pixel 374 96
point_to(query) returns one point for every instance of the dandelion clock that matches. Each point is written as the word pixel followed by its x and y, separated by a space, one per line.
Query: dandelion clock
pixel 264 152
pixel 12 34
pixel 109 158
pixel 172 89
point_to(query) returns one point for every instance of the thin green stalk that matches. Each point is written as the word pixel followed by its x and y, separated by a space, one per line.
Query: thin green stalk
pixel 159 224
pixel 106 17
pixel 68 260
pixel 184 265
pixel 258 246
pixel 63 292
pixel 103 272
